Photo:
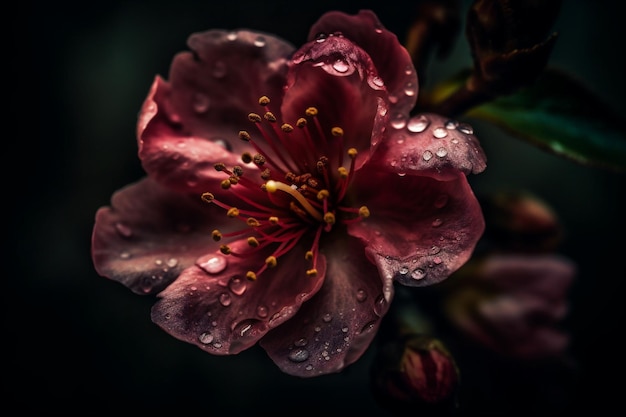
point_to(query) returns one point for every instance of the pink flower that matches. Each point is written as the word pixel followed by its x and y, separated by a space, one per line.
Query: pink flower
pixel 286 191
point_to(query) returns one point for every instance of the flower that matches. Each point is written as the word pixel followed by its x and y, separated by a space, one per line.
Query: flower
pixel 286 190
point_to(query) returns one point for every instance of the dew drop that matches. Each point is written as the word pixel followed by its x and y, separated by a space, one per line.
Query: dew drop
pixel 200 102
pixel 376 83
pixel 418 124
pixel 237 285
pixel 309 367
pixel 454 140
pixel 259 41
pixel 441 201
pixel 123 230
pixel 232 36
pixel 398 121
pixel 403 270
pixel 219 69
pixel 418 273
pixel 451 124
pixel 440 132
pixel 409 89
pixel 125 255
pixel 327 317
pixel 206 338
pixel 437 222
pixel 301 342
pixel 341 66
pixel 441 152
pixel 465 128
pixel 434 250
pixel 298 355
pixel 321 38
pixel 213 264
pixel 380 305
pixel 172 262
pixel 261 311
pixel 249 328
pixel 361 295
pixel 225 299
pixel 427 155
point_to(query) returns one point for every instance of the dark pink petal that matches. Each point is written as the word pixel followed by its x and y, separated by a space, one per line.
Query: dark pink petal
pixel 149 235
pixel 513 304
pixel 335 327
pixel 390 58
pixel 432 144
pixel 213 305
pixel 339 79
pixel 420 229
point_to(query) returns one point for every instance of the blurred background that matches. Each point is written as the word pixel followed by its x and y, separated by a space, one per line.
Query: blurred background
pixel 79 344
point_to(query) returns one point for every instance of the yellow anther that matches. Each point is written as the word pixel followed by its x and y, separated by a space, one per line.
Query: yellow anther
pixel 220 166
pixel 225 249
pixel 233 180
pixel 252 222
pixel 269 116
pixel 336 131
pixel 273 220
pixel 251 276
pixel 308 255
pixel 252 241
pixel 254 118
pixel 216 235
pixel 271 261
pixel 343 173
pixel 272 186
pixel 311 272
pixel 225 184
pixel 264 100
pixel 323 194
pixel 244 135
pixel 207 197
pixel 232 212
pixel 329 218
pixel 246 158
pixel 352 152
pixel 286 127
pixel 311 111
pixel 364 212
pixel 301 122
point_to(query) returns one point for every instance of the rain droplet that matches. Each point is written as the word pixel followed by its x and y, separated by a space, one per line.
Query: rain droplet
pixel 259 41
pixel 321 37
pixel 299 355
pixel 200 102
pixel 327 317
pixel 261 311
pixel 341 66
pixel 125 255
pixel 465 128
pixel 380 305
pixel 434 250
pixel 225 299
pixel 398 121
pixel 440 132
pixel 308 367
pixel 249 328
pixel 237 286
pixel 301 342
pixel 409 89
pixel 361 295
pixel 427 155
pixel 418 273
pixel 123 230
pixel 345 329
pixel 451 124
pixel 213 264
pixel 441 152
pixel 418 124
pixel 219 69
pixel 172 262
pixel 376 83
pixel 437 222
pixel 232 36
pixel 206 338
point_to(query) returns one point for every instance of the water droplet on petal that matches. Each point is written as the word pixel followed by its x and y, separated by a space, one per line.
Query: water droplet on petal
pixel 437 222
pixel 418 124
pixel 249 328
pixel 376 83
pixel 213 264
pixel 398 121
pixel 380 306
pixel 427 155
pixel 237 285
pixel 341 66
pixel 409 89
pixel 440 132
pixel 418 273
pixel 123 230
pixel 451 124
pixel 321 37
pixel 172 262
pixel 299 355
pixel 327 317
pixel 232 36
pixel 261 311
pixel 403 270
pixel 200 102
pixel 205 338
pixel 465 128
pixel 361 295
pixel 125 255
pixel 441 152
pixel 301 342
pixel 225 299
pixel 259 41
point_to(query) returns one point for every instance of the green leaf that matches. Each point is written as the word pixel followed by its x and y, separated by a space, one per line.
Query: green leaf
pixel 561 115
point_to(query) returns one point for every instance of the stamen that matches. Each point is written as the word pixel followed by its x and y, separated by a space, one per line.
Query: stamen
pixel 246 158
pixel 271 186
pixel 251 276
pixel 232 212
pixel 225 249
pixel 254 118
pixel 225 184
pixel 252 241
pixel 264 100
pixel 311 272
pixel 244 135
pixel 271 261
pixel 216 235
pixel 269 116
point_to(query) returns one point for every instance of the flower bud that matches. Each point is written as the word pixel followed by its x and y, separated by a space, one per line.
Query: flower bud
pixel 511 41
pixel 417 371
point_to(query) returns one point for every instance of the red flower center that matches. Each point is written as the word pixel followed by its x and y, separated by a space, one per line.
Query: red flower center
pixel 301 187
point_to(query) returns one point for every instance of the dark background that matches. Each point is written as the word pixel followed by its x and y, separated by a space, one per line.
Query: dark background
pixel 78 344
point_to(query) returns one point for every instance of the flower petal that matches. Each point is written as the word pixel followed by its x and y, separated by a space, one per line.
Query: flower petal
pixel 336 77
pixel 335 327
pixel 149 235
pixel 430 143
pixel 390 58
pixel 420 229
pixel 213 305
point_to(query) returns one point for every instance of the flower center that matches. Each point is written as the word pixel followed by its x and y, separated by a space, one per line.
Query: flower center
pixel 300 188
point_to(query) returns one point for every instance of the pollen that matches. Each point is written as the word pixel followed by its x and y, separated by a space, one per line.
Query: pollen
pixel 323 194
pixel 232 212
pixel 271 261
pixel 329 218
pixel 301 122
pixel 251 276
pixel 308 255
pixel 246 158
pixel 225 249
pixel 287 128
pixel 216 235
pixel 225 184
pixel 311 111
pixel 244 135
pixel 264 100
pixel 364 212
pixel 220 166
pixel 269 116
pixel 252 241
pixel 252 222
pixel 343 173
pixel 311 272
pixel 336 131
pixel 273 220
pixel 352 153
pixel 254 118
pixel 207 197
